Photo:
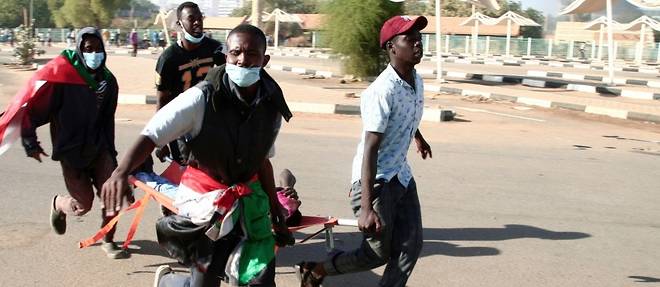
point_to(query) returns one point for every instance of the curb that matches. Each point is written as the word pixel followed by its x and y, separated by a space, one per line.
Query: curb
pixel 135 99
pixel 429 115
pixel 614 113
pixel 569 76
pixel 538 80
pixel 302 71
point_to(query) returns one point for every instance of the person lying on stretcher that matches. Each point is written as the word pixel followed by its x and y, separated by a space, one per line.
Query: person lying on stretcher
pixel 286 193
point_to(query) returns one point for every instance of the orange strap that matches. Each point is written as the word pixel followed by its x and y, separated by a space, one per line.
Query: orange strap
pixel 139 205
pixel 159 197
pixel 106 228
pixel 136 221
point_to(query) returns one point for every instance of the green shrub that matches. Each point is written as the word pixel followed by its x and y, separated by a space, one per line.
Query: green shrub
pixel 352 30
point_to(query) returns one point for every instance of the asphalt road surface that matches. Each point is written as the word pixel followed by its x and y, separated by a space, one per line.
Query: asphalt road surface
pixel 513 196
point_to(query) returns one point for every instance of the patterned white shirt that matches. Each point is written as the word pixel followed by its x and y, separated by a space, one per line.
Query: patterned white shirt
pixel 392 107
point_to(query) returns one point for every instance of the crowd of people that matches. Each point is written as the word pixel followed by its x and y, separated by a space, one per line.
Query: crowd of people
pixel 218 114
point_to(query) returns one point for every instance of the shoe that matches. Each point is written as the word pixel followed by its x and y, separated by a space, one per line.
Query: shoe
pixel 160 272
pixel 113 251
pixel 57 218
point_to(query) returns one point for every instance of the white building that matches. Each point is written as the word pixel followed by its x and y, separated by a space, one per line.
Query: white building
pixel 225 7
pixel 211 8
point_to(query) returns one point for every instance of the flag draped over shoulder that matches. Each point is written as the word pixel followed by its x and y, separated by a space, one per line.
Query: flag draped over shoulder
pixel 63 69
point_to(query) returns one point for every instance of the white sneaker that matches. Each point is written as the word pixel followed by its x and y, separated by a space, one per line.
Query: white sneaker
pixel 160 272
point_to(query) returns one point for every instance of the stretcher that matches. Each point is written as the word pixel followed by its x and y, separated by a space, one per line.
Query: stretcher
pixel 173 173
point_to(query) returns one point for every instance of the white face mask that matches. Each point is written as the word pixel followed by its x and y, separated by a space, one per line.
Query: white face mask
pixel 93 60
pixel 243 77
pixel 191 38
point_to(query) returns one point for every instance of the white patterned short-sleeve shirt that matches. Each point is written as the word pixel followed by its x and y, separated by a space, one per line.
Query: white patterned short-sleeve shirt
pixel 392 107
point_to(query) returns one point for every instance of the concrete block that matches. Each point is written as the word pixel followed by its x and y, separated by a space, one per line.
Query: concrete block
pixel 491 78
pixel 426 71
pixel 312 108
pixel 431 88
pixel 534 102
pixel 653 84
pixel 649 71
pixel 347 109
pixel 533 83
pixel 644 117
pixel 501 97
pixel 299 70
pixel 638 95
pixel 133 99
pixel 615 113
pixel 581 88
pixel 569 106
pixel 459 75
pixel 277 67
pixel 537 73
pixel 573 76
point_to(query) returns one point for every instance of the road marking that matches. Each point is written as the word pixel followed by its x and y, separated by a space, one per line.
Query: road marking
pixel 500 114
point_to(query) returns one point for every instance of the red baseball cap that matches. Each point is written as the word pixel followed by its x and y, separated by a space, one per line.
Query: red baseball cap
pixel 400 25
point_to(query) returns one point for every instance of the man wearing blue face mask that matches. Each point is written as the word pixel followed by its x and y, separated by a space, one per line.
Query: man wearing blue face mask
pixel 184 64
pixel 77 95
pixel 229 218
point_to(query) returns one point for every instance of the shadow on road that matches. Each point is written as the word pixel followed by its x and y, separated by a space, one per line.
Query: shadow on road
pixel 644 279
pixel 147 247
pixel 433 241
pixel 510 231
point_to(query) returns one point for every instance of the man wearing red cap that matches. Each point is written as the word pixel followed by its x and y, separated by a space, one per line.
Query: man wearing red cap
pixel 384 193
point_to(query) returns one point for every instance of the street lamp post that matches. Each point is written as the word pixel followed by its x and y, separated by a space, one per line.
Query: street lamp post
pixel 438 35
pixel 610 43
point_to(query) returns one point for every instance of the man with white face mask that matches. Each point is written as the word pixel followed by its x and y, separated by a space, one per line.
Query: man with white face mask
pixel 184 64
pixel 227 203
pixel 77 95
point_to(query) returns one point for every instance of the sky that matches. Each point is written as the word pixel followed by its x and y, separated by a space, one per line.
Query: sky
pixel 545 6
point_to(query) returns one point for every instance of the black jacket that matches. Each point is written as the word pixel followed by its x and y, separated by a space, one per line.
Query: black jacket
pixel 82 119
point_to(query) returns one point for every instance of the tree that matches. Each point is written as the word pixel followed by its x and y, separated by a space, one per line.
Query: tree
pixel 11 13
pixel 352 28
pixel 415 7
pixel 289 6
pixel 455 8
pixel 81 13
pixel 25 49
pixel 531 13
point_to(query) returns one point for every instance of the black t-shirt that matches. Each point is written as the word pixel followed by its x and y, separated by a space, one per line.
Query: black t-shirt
pixel 178 69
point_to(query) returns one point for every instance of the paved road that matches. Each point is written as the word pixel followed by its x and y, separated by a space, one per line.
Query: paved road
pixel 335 67
pixel 513 197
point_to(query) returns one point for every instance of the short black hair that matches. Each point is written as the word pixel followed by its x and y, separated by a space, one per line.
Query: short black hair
pixel 185 5
pixel 252 30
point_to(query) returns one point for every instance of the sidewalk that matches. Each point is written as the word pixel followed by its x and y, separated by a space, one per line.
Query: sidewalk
pixel 136 77
pixel 616 107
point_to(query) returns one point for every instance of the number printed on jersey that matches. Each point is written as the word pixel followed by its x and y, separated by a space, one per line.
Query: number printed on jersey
pixel 196 68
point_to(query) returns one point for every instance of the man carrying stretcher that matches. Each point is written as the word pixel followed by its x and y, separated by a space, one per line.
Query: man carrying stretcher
pixel 227 203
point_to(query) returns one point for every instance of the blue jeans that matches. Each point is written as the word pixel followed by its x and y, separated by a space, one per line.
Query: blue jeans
pixel 400 241
pixel 158 183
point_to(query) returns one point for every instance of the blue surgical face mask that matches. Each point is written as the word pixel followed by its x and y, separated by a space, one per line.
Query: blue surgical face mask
pixel 243 77
pixel 191 38
pixel 93 60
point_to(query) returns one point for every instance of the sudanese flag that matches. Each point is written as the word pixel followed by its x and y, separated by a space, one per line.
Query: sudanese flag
pixel 63 69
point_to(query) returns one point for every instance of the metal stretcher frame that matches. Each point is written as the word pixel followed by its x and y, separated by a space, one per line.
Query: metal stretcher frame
pixel 173 173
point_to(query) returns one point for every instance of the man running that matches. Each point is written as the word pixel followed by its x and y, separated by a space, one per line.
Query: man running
pixel 77 95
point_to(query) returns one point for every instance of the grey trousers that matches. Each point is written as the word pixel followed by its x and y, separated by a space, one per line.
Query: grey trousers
pixel 400 241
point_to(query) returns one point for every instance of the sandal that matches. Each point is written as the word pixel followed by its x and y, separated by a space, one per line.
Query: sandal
pixel 305 276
